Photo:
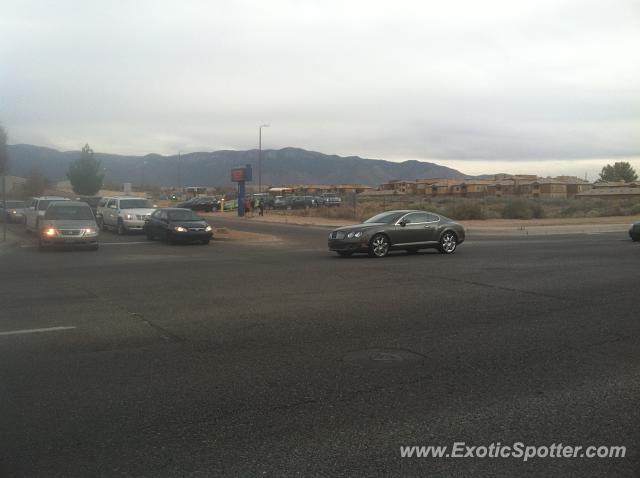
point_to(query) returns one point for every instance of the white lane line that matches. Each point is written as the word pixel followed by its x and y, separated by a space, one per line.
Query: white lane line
pixel 124 243
pixel 35 331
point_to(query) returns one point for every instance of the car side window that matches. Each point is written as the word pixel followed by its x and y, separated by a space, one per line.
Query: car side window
pixel 413 218
pixel 111 204
pixel 421 217
pixel 163 215
pixel 102 202
pixel 432 218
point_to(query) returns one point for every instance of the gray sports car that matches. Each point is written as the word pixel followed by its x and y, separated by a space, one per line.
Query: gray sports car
pixel 407 229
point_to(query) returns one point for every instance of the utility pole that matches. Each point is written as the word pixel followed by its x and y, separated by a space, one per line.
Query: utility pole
pixel 260 156
pixel 4 203
pixel 180 172
pixel 4 165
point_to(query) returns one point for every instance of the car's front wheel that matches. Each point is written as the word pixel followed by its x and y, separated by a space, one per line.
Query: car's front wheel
pixel 448 243
pixel 379 246
pixel 121 229
pixel 101 224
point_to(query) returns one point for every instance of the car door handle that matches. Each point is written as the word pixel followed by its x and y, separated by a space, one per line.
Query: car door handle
pixel 427 227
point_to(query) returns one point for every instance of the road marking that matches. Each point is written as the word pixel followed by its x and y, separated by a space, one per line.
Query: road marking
pixel 124 243
pixel 35 331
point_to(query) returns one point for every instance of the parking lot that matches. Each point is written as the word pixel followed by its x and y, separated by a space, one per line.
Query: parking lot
pixel 243 358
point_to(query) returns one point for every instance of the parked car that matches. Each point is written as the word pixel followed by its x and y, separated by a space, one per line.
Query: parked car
pixel 124 213
pixel 268 201
pixel 281 202
pixel 92 201
pixel 331 199
pixel 68 223
pixel 177 224
pixel 35 210
pixel 634 232
pixel 407 229
pixel 12 211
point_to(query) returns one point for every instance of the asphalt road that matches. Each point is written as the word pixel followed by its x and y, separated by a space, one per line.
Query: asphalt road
pixel 281 359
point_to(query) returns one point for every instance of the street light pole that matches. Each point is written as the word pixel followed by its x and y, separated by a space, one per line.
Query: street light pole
pixel 260 156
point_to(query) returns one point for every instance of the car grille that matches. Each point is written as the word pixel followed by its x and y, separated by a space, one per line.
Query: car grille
pixel 196 229
pixel 142 217
pixel 70 232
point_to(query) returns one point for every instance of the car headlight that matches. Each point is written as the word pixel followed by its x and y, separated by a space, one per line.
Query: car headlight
pixel 50 232
pixel 358 234
pixel 14 212
pixel 128 217
pixel 89 231
pixel 208 228
pixel 180 229
pixel 350 235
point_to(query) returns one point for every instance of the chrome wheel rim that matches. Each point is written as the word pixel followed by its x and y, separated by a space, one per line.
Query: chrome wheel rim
pixel 380 246
pixel 448 243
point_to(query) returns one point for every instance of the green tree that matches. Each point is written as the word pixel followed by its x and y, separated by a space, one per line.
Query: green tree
pixel 621 171
pixel 84 173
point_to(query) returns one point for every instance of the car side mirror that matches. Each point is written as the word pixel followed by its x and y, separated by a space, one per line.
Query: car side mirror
pixel 402 223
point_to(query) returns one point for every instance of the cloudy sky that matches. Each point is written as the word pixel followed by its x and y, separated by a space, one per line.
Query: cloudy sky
pixel 540 86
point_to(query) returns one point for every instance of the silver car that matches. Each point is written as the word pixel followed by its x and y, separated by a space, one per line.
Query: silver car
pixel 68 223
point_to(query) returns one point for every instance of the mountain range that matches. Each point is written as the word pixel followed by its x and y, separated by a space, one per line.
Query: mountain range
pixel 283 166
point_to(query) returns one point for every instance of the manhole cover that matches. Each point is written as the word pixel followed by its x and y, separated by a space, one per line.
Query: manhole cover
pixel 383 357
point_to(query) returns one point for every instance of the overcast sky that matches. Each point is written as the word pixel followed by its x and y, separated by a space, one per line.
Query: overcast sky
pixel 540 86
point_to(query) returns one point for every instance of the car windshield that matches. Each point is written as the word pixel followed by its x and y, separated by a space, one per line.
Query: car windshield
pixel 385 218
pixel 135 204
pixel 44 204
pixel 69 213
pixel 183 216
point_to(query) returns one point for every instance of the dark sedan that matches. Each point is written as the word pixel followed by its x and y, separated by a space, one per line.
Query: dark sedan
pixel 405 230
pixel 177 225
pixel 634 232
pixel 203 203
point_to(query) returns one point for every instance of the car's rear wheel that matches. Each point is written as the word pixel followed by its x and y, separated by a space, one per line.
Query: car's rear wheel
pixel 379 246
pixel 344 253
pixel 448 243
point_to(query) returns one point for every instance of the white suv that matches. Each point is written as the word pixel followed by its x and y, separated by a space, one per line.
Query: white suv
pixel 126 213
pixel 35 209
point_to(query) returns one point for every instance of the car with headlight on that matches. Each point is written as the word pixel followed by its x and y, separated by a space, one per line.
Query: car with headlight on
pixel 634 232
pixel 124 214
pixel 408 230
pixel 12 211
pixel 68 223
pixel 177 225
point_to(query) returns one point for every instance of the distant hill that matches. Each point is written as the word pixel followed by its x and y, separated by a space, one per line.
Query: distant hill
pixel 284 166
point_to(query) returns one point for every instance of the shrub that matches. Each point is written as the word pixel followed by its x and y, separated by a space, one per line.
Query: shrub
pixel 517 209
pixel 466 210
